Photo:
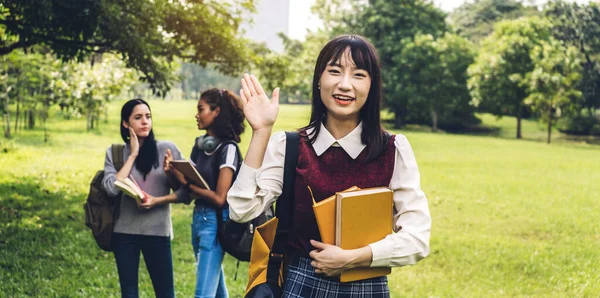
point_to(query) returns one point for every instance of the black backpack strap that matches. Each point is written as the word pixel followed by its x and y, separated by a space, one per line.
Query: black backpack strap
pixel 117 155
pixel 284 210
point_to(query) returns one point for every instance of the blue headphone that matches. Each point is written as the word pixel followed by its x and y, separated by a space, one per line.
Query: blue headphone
pixel 207 143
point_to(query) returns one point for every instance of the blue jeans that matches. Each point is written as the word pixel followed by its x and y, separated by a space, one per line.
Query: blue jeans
pixel 210 280
pixel 157 256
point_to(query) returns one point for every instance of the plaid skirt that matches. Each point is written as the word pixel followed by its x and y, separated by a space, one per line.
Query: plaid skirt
pixel 302 282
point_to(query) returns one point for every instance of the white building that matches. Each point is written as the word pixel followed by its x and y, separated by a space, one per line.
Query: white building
pixel 271 17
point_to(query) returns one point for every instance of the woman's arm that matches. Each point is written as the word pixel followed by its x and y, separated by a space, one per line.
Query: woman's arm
pixel 261 115
pixel 179 194
pixel 255 190
pixel 110 172
pixel 412 220
pixel 218 197
pixel 245 198
pixel 134 146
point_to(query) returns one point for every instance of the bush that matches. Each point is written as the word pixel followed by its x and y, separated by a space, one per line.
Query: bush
pixel 580 125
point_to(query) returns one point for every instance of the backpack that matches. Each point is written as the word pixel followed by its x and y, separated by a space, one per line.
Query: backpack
pixel 100 208
pixel 236 238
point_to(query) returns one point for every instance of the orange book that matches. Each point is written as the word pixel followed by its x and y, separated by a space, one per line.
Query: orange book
pixel 363 217
pixel 325 215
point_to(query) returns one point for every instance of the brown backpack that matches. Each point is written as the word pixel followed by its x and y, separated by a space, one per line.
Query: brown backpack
pixel 101 210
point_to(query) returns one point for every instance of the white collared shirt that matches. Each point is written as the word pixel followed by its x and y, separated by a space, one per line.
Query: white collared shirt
pixel 256 189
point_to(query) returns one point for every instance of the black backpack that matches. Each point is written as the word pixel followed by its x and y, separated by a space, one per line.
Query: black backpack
pixel 236 238
pixel 100 208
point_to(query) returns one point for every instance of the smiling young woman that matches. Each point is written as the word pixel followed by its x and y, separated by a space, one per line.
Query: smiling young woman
pixel 343 145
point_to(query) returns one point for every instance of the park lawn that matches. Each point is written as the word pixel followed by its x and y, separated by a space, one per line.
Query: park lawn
pixel 510 217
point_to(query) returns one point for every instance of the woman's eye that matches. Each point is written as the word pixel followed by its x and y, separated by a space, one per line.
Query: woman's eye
pixel 361 75
pixel 334 71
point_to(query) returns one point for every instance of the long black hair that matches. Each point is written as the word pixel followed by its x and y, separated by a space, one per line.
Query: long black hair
pixel 148 156
pixel 229 124
pixel 365 57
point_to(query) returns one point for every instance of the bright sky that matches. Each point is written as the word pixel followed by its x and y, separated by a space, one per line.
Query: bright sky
pixel 301 18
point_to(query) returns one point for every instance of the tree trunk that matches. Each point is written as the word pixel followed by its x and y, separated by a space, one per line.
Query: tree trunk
pixel 519 112
pixel 6 119
pixel 6 125
pixel 551 114
pixel 398 120
pixel 31 122
pixel 519 136
pixel 17 114
pixel 89 116
pixel 45 131
pixel 434 121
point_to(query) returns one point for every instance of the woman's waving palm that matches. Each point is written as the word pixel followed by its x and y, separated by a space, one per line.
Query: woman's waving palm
pixel 258 109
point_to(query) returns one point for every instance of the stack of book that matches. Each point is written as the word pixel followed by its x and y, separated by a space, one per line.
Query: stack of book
pixel 355 218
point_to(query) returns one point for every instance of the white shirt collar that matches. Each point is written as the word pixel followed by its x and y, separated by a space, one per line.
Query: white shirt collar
pixel 351 143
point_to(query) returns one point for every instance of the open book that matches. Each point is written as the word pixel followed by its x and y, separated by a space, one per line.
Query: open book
pixel 129 187
pixel 189 171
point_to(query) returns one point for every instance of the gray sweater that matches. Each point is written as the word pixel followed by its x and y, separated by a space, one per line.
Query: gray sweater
pixel 131 220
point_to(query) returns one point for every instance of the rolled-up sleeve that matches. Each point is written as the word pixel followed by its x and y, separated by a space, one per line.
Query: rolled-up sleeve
pixel 412 221
pixel 108 182
pixel 255 190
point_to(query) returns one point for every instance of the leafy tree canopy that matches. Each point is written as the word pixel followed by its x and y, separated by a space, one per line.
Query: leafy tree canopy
pixel 475 20
pixel 147 34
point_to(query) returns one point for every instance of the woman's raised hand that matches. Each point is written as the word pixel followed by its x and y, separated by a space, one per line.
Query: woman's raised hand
pixel 260 112
pixel 134 144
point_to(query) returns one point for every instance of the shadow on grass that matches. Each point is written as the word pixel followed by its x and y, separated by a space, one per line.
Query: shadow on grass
pixel 45 248
pixel 494 132
pixel 478 130
pixel 592 140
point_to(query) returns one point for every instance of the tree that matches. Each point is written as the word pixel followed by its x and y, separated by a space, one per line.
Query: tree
pixel 387 24
pixel 498 78
pixel 475 20
pixel 90 88
pixel 579 26
pixel 553 81
pixel 147 34
pixel 195 79
pixel 298 81
pixel 435 75
pixel 271 67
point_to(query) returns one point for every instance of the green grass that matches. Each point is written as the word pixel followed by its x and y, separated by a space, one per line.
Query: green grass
pixel 511 218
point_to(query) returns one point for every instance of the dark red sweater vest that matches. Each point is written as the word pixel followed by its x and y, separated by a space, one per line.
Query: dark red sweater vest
pixel 327 174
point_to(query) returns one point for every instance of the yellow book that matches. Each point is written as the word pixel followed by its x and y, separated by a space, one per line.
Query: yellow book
pixel 325 215
pixel 363 217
